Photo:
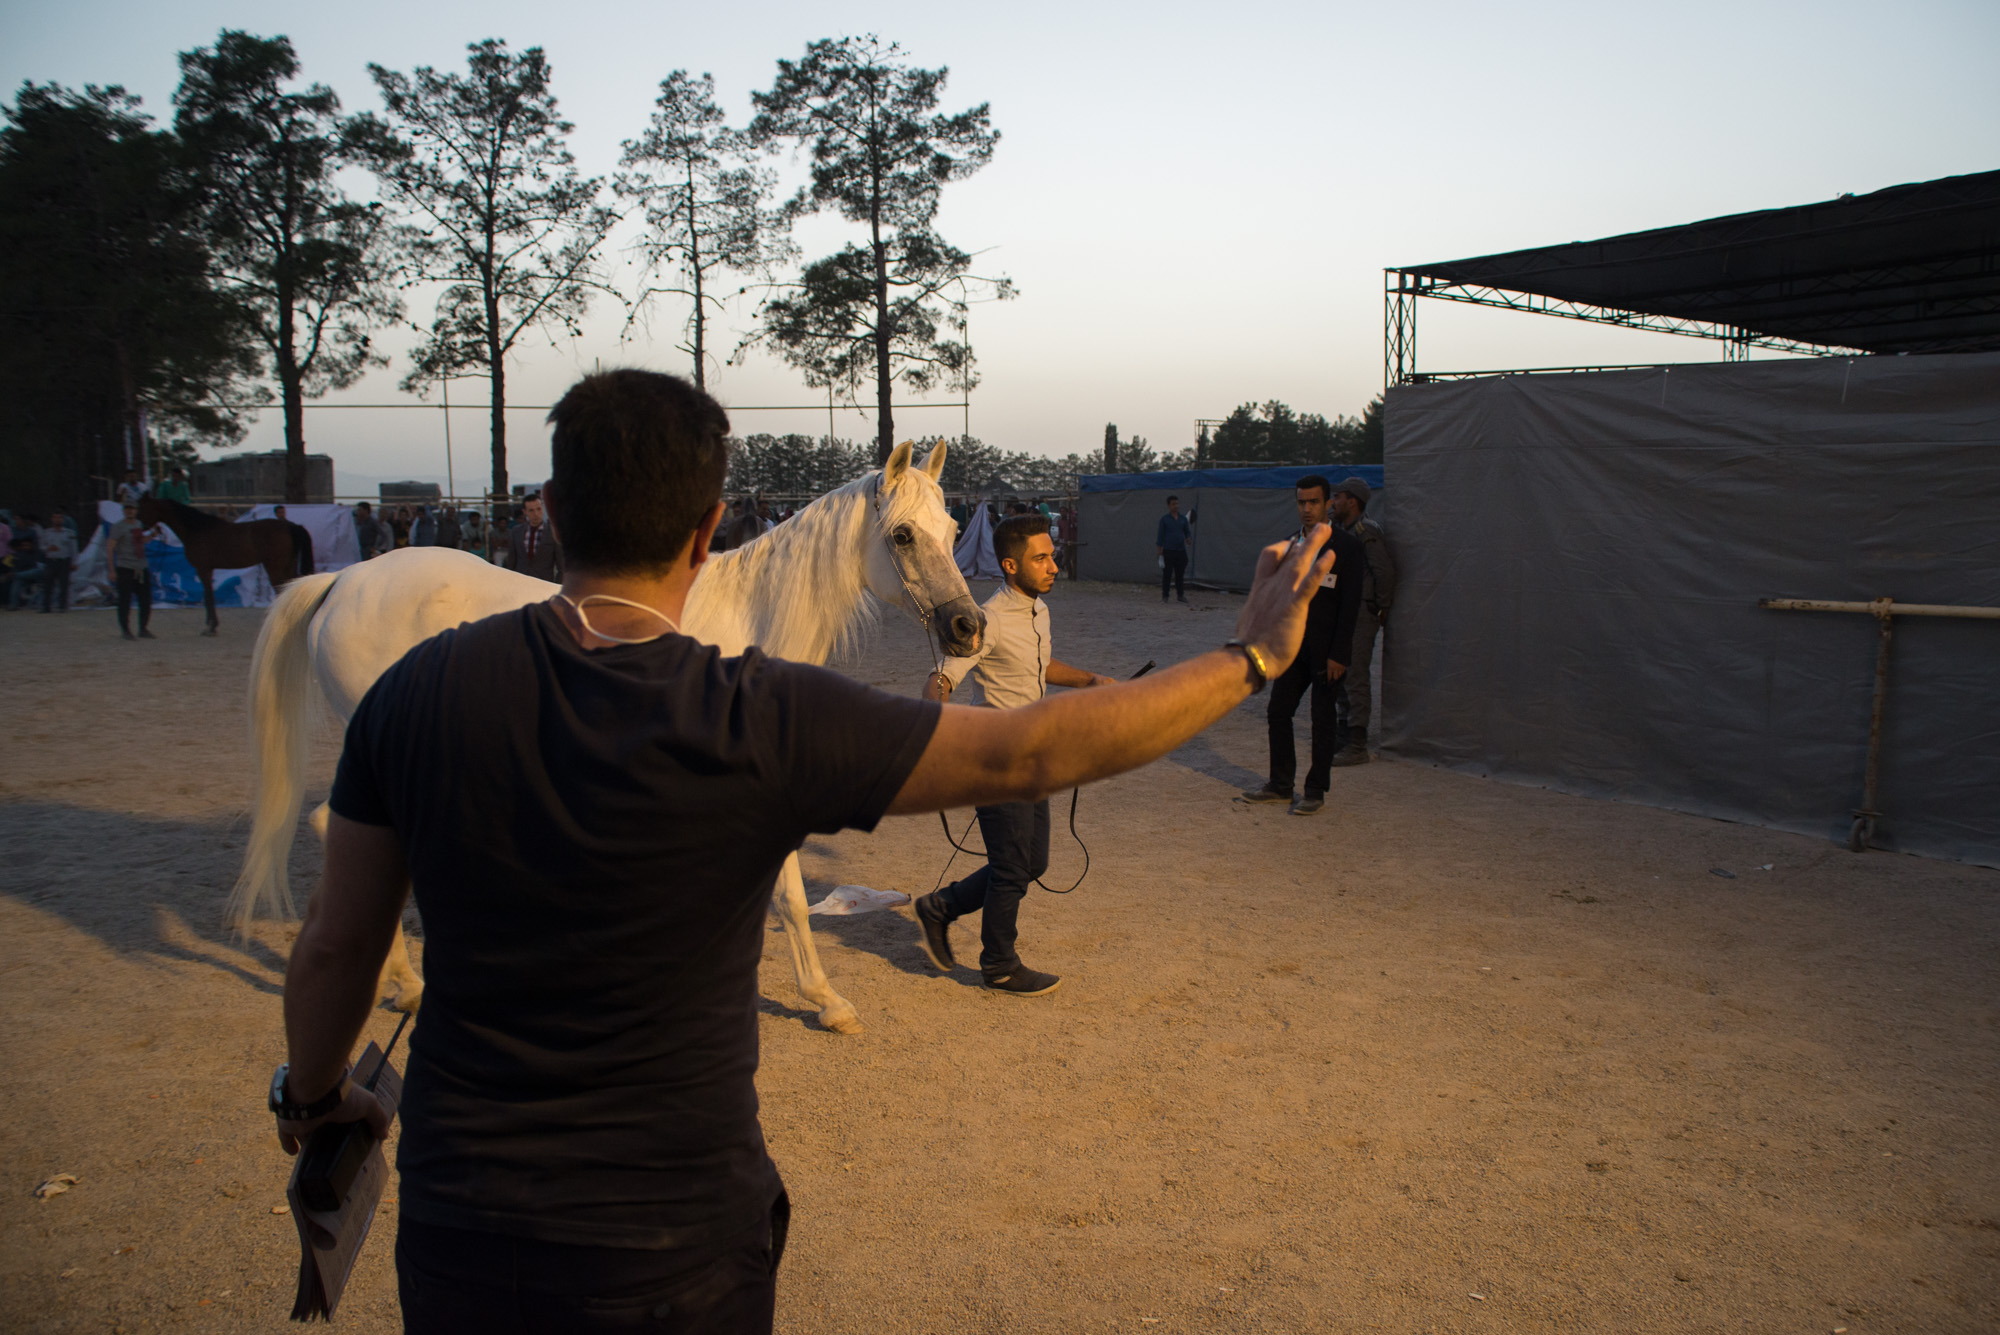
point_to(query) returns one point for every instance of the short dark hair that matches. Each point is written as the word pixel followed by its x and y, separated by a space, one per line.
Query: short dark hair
pixel 365 506
pixel 1010 536
pixel 1315 480
pixel 638 459
pixel 1172 499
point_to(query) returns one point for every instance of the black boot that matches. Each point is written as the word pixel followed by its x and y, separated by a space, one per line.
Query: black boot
pixel 1355 750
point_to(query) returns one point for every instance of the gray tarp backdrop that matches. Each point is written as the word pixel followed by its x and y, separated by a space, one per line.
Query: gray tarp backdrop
pixel 1235 511
pixel 1581 558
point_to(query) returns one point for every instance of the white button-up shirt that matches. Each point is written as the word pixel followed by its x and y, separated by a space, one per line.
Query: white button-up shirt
pixel 1012 665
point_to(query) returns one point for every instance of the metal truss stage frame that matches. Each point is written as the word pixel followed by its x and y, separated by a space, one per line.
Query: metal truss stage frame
pixel 1910 269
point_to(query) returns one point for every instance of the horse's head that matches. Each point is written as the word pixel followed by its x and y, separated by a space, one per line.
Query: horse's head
pixel 153 511
pixel 911 565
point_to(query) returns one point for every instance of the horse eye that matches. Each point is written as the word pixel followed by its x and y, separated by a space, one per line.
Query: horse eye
pixel 903 538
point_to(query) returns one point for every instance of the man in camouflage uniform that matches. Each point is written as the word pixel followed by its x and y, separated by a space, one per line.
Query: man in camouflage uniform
pixel 1352 693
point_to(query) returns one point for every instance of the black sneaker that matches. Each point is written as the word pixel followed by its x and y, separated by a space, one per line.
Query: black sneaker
pixel 937 933
pixel 147 635
pixel 1308 804
pixel 1265 794
pixel 1024 982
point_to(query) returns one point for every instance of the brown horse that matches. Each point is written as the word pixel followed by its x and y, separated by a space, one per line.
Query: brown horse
pixel 283 548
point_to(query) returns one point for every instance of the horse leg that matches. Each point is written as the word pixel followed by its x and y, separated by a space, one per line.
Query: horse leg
pixel 788 905
pixel 399 983
pixel 208 599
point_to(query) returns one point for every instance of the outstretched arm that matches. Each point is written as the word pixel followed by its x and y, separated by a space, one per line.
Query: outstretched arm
pixel 1062 674
pixel 985 755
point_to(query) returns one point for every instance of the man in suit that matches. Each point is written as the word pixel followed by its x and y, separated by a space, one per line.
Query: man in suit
pixel 1321 663
pixel 531 546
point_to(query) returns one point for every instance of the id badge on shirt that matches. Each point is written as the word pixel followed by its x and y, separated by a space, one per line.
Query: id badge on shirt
pixel 1330 579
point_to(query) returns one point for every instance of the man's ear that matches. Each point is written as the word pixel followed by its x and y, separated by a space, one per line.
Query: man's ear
pixel 704 533
pixel 549 513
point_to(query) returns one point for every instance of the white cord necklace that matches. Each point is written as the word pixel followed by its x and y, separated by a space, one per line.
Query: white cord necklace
pixel 577 604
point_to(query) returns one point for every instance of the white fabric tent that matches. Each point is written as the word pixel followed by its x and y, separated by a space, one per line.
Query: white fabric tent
pixel 974 552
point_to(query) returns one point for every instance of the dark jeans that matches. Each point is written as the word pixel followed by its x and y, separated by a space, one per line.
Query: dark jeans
pixel 1173 572
pixel 1017 851
pixel 451 1280
pixel 134 584
pixel 55 582
pixel 1286 692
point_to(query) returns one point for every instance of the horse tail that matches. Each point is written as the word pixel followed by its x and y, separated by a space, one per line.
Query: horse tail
pixel 280 718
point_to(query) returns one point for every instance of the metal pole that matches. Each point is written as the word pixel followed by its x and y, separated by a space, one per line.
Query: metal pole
pixel 451 484
pixel 1884 610
pixel 1865 815
pixel 1895 608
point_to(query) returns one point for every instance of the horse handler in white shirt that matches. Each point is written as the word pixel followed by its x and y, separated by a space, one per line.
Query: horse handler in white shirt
pixel 1015 666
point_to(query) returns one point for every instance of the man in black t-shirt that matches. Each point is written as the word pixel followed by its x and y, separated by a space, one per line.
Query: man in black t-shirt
pixel 592 809
pixel 1327 649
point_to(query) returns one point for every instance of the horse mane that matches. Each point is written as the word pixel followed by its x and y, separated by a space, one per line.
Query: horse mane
pixel 797 590
pixel 186 520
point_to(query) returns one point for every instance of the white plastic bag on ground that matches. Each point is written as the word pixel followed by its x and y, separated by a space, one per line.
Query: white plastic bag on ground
pixel 858 899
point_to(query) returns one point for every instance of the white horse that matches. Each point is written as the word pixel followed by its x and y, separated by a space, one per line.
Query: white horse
pixel 799 592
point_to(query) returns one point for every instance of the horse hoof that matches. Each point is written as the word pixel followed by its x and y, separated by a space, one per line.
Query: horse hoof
pixel 842 1018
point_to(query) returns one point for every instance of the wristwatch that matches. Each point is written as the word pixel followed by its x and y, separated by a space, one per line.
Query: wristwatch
pixel 285 1110
pixel 1257 664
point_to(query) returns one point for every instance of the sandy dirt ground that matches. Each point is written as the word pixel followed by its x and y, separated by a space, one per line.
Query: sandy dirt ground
pixel 1449 1056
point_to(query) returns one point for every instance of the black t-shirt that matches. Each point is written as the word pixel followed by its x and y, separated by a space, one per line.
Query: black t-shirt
pixel 593 838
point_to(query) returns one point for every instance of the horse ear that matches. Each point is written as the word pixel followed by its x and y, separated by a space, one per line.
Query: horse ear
pixel 899 464
pixel 934 461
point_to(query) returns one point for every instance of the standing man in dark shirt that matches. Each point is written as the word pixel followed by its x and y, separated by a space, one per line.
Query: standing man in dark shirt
pixel 1355 695
pixel 367 531
pixel 1322 661
pixel 593 809
pixel 1173 539
pixel 532 548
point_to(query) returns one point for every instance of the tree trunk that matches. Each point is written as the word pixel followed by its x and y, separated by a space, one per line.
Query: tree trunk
pixel 291 386
pixel 885 434
pixel 496 370
pixel 700 312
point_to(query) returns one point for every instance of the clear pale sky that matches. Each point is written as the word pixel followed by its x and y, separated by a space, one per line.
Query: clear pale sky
pixel 1197 201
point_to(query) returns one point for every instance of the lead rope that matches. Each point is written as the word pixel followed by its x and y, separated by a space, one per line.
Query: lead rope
pixel 1074 793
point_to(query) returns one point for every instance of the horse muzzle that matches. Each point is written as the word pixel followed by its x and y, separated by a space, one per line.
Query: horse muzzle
pixel 961 626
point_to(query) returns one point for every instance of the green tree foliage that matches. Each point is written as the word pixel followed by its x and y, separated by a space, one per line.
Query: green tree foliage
pixel 1371 433
pixel 794 465
pixel 109 322
pixel 309 266
pixel 893 307
pixel 706 207
pixel 1272 433
pixel 506 223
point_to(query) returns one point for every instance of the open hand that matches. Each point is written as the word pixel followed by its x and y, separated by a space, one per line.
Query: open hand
pixel 1274 616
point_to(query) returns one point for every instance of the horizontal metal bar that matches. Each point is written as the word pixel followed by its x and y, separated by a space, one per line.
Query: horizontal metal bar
pixel 1421 377
pixel 476 406
pixel 1894 608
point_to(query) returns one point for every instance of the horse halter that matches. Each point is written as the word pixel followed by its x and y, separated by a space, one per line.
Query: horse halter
pixel 925 615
